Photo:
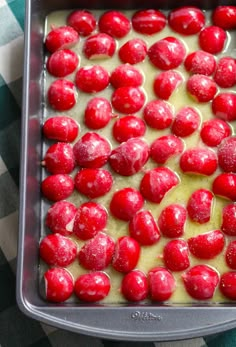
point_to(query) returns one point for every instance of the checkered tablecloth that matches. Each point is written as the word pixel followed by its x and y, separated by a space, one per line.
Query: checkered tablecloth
pixel 16 330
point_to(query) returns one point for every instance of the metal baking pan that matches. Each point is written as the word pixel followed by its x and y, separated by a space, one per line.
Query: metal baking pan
pixel 121 322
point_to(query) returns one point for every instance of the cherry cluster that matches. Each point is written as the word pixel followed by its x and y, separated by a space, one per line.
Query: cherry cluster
pixel 98 162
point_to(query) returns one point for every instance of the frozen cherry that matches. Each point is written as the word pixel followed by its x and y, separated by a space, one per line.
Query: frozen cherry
pixel 92 79
pixel 114 23
pixel 59 284
pixel 166 82
pixel 167 53
pixel 228 225
pixel 93 182
pixel 92 150
pixel 128 127
pixel 230 255
pixel 92 287
pixel 126 254
pixel 224 106
pixel 186 20
pixel 129 157
pixel 61 37
pixel 133 51
pixel 227 154
pixel 59 158
pixel 57 187
pixel 165 147
pixel 212 39
pixel 200 161
pixel 126 75
pixel 125 203
pixel 228 285
pixel 162 284
pixel 207 245
pixel 90 218
pixel 134 286
pixel 97 253
pixel 224 17
pixel 60 217
pixel 148 22
pixel 128 99
pixel 172 220
pixel 225 74
pixel 61 128
pixel 57 250
pixel 144 229
pixel 224 185
pixel 202 88
pixel 99 46
pixel 186 121
pixel 62 95
pixel 176 255
pixel 200 62
pixel 213 131
pixel 199 206
pixel 82 21
pixel 157 182
pixel 62 63
pixel 200 282
pixel 158 114
pixel 98 113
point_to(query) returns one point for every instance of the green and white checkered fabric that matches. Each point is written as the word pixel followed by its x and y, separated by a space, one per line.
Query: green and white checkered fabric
pixel 16 330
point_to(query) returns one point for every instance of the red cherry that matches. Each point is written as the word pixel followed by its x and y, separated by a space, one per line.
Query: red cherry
pixel 98 113
pixel 167 53
pixel 61 128
pixel 165 147
pixel 62 95
pixel 59 284
pixel 207 245
pixel 172 220
pixel 82 21
pixel 96 254
pixel 202 88
pixel 228 225
pixel 199 206
pixel 212 39
pixel 99 46
pixel 162 284
pixel 57 187
pixel 176 255
pixel 126 254
pixel 62 63
pixel 114 23
pixel 60 38
pixel 125 203
pixel 133 51
pixel 230 255
pixel 200 62
pixel 60 217
pixel 186 20
pixel 224 106
pixel 186 121
pixel 90 219
pixel 228 285
pixel 126 76
pixel 144 229
pixel 134 286
pixel 227 154
pixel 129 157
pixel 224 17
pixel 213 131
pixel 57 250
pixel 92 79
pixel 92 150
pixel 224 185
pixel 166 82
pixel 225 75
pixel 158 114
pixel 200 161
pixel 128 99
pixel 92 287
pixel 148 22
pixel 93 182
pixel 157 182
pixel 59 158
pixel 128 127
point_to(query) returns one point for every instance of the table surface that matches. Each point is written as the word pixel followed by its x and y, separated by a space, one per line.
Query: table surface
pixel 15 328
